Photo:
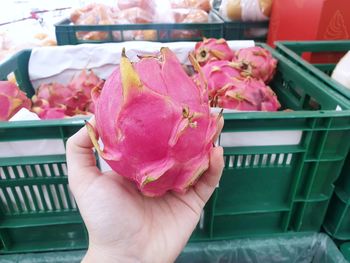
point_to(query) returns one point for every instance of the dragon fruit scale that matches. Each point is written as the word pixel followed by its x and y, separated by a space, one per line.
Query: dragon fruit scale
pixel 155 124
pixel 212 49
pixel 12 99
pixel 246 94
pixel 256 62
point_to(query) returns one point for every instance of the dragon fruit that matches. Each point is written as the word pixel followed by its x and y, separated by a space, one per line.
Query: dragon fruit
pixel 82 86
pixel 12 99
pixel 50 101
pixel 246 94
pixel 212 49
pixel 46 112
pixel 53 93
pixel 85 82
pixel 256 62
pixel 54 100
pixel 148 115
pixel 218 74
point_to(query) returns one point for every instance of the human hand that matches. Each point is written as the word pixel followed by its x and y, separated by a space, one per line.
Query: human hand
pixel 124 225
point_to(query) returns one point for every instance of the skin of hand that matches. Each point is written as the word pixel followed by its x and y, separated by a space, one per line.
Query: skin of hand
pixel 124 225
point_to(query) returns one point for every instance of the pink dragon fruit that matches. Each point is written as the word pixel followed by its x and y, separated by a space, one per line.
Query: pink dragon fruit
pixel 85 82
pixel 218 74
pixel 12 99
pixel 53 93
pixel 46 112
pixel 212 49
pixel 55 100
pixel 256 62
pixel 247 94
pixel 82 86
pixel 50 101
pixel 148 115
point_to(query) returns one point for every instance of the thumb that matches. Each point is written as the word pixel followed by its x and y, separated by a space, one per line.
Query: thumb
pixel 81 161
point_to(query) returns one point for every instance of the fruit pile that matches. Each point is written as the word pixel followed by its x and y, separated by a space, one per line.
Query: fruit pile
pixel 237 80
pixel 230 79
pixel 141 12
pixel 52 100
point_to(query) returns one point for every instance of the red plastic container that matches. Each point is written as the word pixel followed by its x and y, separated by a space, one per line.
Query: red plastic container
pixel 310 20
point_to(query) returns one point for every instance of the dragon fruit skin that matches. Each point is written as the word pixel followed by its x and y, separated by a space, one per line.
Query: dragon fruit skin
pixel 12 99
pixel 247 94
pixel 256 62
pixel 212 49
pixel 217 74
pixel 148 115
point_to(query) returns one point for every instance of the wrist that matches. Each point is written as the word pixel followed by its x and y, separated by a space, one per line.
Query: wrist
pixel 96 254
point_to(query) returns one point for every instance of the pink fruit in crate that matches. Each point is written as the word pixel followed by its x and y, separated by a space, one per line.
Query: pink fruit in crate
pixel 53 93
pixel 46 112
pixel 90 107
pixel 218 73
pixel 247 94
pixel 75 97
pixel 256 62
pixel 212 49
pixel 82 86
pixel 85 82
pixel 155 124
pixel 12 99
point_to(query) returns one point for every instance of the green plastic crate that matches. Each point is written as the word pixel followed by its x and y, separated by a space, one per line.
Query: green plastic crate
pixel 337 222
pixel 294 51
pixel 257 194
pixel 37 211
pixel 296 247
pixel 264 189
pixel 245 30
pixel 66 32
pixel 345 249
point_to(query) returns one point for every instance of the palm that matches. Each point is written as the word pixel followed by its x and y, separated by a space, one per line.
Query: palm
pixel 117 215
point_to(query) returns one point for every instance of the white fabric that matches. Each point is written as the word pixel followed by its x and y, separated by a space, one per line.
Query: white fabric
pixel 63 62
pixel 341 72
pixel 223 9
